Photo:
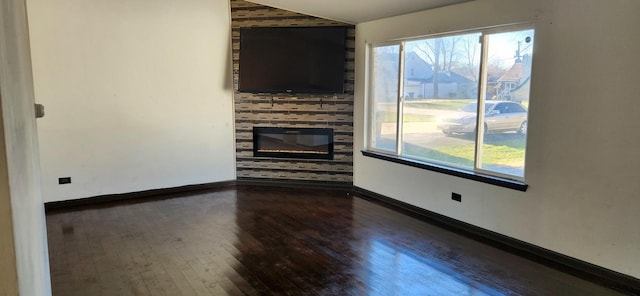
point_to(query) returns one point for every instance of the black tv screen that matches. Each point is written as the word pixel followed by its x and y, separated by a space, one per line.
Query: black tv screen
pixel 292 59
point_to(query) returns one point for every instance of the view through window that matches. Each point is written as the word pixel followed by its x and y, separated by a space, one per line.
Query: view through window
pixel 428 95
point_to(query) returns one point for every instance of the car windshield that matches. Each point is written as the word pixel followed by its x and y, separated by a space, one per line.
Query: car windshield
pixel 473 107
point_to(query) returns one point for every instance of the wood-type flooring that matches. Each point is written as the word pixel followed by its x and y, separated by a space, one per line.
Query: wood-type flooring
pixel 259 240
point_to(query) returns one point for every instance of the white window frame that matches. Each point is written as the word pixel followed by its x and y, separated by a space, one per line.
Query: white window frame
pixel 482 85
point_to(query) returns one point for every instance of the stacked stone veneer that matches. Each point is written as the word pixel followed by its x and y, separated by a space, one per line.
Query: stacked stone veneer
pixel 291 110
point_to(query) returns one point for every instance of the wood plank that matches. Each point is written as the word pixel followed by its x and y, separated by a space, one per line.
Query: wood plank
pixel 255 240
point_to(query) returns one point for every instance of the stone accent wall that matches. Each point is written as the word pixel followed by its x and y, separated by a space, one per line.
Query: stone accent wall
pixel 291 110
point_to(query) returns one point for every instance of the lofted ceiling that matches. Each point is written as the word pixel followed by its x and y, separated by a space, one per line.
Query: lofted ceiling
pixel 356 11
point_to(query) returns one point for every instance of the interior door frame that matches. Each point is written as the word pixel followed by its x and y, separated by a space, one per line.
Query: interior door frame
pixel 19 161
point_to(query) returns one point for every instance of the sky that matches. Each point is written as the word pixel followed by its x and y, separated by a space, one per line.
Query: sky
pixel 502 47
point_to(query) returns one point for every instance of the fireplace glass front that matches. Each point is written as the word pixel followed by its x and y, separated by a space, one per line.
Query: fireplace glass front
pixel 306 143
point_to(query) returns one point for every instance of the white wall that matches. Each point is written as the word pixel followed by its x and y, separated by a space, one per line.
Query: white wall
pixel 19 164
pixel 137 94
pixel 582 155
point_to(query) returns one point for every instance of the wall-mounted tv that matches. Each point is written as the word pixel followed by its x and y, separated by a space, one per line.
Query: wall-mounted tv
pixel 292 60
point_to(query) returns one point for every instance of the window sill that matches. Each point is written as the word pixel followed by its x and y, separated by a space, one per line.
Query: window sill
pixel 502 182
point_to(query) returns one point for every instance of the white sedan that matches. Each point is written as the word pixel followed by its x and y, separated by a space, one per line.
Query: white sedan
pixel 500 116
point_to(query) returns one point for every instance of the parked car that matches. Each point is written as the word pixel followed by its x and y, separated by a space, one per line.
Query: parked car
pixel 500 116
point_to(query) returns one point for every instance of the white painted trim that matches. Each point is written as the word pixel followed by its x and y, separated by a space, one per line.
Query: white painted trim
pixel 23 165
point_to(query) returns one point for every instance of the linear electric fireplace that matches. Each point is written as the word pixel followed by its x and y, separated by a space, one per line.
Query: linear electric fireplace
pixel 307 143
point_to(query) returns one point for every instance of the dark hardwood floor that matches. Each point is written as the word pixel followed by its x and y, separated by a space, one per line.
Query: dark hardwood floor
pixel 252 240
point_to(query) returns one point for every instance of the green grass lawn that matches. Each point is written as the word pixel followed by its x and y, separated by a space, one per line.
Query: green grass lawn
pixel 502 155
pixel 430 154
pixel 501 152
pixel 505 150
pixel 439 104
pixel 445 104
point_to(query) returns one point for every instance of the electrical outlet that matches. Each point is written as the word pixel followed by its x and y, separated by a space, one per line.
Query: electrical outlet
pixel 456 196
pixel 64 180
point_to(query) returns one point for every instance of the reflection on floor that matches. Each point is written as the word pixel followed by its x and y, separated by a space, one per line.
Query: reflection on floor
pixel 426 277
pixel 279 241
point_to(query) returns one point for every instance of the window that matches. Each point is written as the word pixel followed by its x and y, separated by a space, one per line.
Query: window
pixel 457 101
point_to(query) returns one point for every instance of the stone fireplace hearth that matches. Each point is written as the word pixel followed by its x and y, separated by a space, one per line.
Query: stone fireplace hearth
pixel 298 111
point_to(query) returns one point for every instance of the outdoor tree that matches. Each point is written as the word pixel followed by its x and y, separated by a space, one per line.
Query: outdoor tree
pixel 445 54
pixel 470 55
pixel 432 51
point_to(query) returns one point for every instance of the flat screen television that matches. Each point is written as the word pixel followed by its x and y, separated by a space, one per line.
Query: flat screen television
pixel 292 60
